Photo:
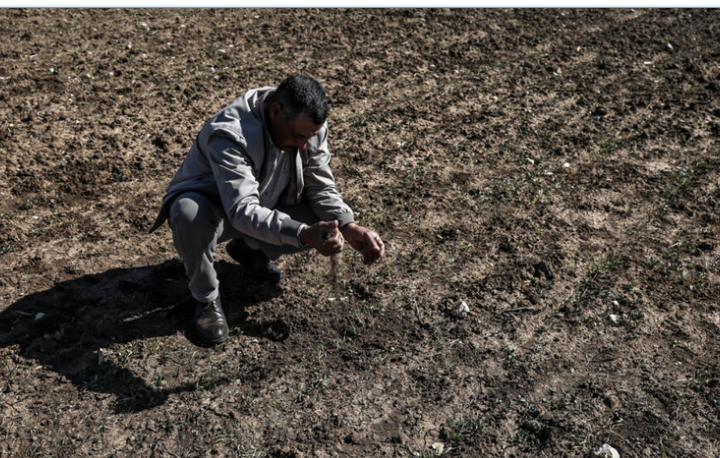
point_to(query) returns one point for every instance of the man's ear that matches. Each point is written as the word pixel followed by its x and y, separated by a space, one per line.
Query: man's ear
pixel 276 111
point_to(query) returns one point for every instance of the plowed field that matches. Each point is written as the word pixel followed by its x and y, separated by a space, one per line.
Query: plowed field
pixel 557 170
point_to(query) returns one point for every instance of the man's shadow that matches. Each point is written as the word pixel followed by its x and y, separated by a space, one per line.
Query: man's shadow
pixel 66 327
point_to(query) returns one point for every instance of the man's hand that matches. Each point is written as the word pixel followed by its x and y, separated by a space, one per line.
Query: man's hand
pixel 364 241
pixel 324 237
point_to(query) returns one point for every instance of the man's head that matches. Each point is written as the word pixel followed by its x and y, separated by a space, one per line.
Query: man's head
pixel 296 111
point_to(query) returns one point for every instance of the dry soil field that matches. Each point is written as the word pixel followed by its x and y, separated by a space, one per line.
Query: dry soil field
pixel 557 170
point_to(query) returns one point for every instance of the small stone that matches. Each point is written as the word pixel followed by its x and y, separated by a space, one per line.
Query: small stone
pixel 607 452
pixel 39 316
pixel 438 448
pixel 461 310
pixel 599 111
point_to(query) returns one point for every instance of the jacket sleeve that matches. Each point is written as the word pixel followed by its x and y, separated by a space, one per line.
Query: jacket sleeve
pixel 238 190
pixel 320 189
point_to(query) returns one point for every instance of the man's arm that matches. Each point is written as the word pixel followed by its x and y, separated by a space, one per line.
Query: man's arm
pixel 329 205
pixel 238 190
pixel 320 188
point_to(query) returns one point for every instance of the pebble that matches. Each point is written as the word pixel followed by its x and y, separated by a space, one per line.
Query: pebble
pixel 461 310
pixel 438 448
pixel 607 452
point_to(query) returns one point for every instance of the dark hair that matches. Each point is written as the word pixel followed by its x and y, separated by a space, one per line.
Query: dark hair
pixel 302 94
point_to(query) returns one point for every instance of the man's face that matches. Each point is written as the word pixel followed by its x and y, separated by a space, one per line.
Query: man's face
pixel 291 134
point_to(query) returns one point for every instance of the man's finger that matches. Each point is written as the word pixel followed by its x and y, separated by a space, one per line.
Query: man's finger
pixel 381 244
pixel 370 237
pixel 330 229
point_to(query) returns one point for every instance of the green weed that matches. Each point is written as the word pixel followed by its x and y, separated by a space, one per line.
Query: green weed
pixel 27 204
pixel 598 282
pixel 251 452
pixel 684 180
pixel 363 119
pixel 612 145
pixel 460 430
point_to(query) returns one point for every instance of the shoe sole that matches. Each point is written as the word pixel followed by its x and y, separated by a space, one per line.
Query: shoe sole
pixel 214 342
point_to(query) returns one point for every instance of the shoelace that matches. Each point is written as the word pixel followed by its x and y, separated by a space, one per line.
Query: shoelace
pixel 210 306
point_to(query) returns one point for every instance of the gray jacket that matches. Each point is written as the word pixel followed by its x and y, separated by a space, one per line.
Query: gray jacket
pixel 232 178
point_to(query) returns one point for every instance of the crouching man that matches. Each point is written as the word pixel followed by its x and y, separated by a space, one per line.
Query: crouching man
pixel 258 176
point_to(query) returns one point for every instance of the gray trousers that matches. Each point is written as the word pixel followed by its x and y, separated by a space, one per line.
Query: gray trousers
pixel 199 224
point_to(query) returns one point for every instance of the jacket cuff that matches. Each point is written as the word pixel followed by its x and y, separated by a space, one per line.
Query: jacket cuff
pixel 289 232
pixel 344 219
pixel 300 242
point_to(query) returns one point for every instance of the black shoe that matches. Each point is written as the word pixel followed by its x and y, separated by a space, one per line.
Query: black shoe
pixel 210 323
pixel 254 261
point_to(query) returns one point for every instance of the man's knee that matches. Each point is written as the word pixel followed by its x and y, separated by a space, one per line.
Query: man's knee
pixel 194 212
